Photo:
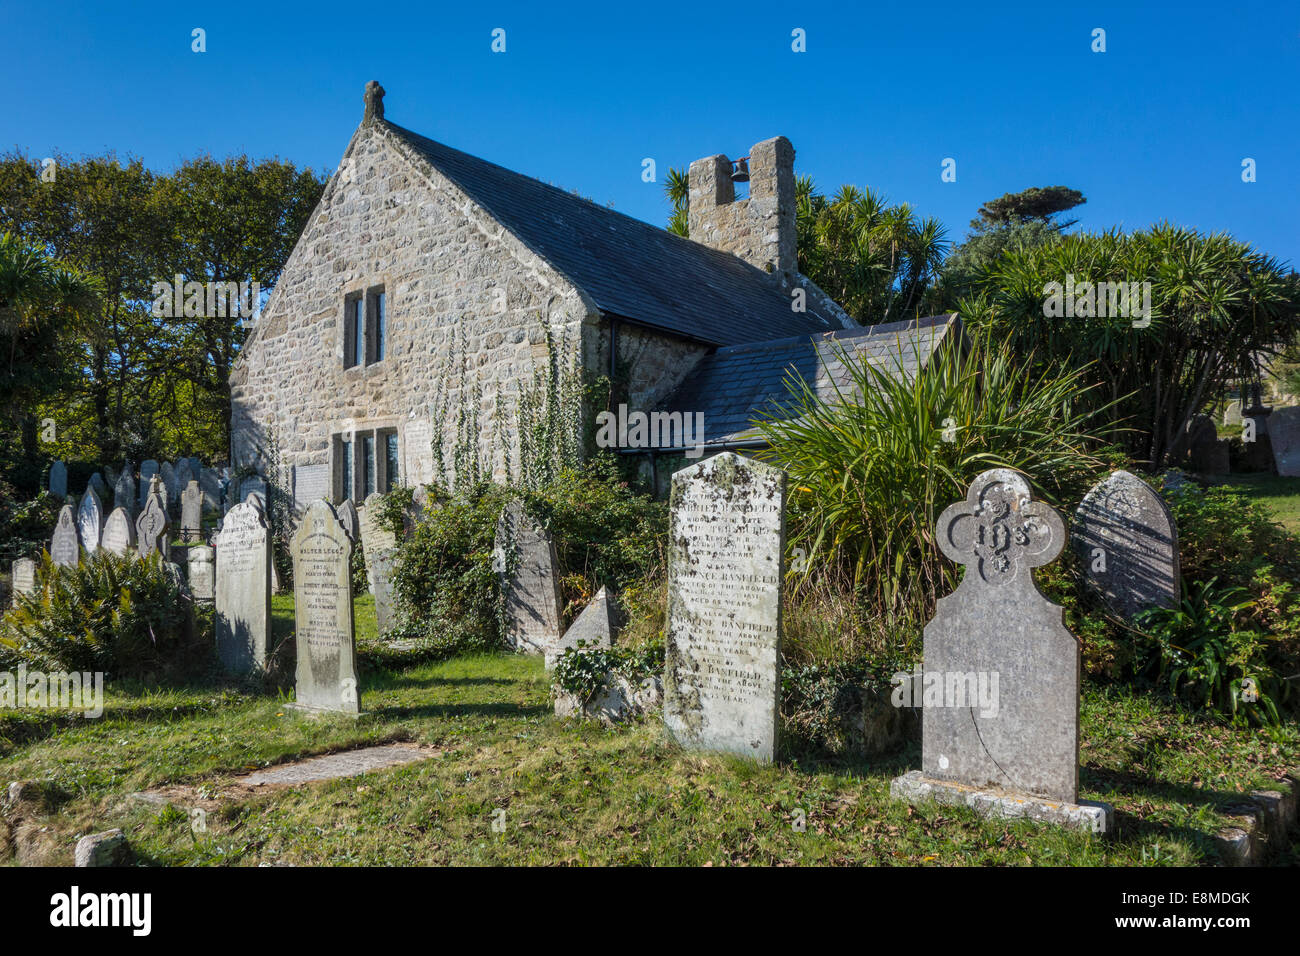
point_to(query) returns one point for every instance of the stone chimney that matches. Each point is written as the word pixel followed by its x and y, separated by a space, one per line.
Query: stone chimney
pixel 759 229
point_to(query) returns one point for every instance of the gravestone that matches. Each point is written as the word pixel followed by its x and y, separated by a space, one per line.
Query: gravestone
pixel 253 485
pixel 170 491
pixel 196 466
pixel 192 512
pixel 380 548
pixel 148 470
pixel 124 491
pixel 243 590
pixel 90 520
pixel 65 547
pixel 309 483
pixel 110 476
pixel 202 575
pixel 101 488
pixel 1284 432
pixel 322 577
pixel 349 519
pixel 525 561
pixel 722 658
pixel 594 628
pixel 210 482
pixel 24 577
pixel 1127 541
pixel 1232 412
pixel 185 473
pixel 1000 717
pixel 151 526
pixel 1207 453
pixel 119 533
pixel 59 480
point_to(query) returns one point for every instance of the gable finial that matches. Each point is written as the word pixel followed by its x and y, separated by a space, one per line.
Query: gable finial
pixel 374 99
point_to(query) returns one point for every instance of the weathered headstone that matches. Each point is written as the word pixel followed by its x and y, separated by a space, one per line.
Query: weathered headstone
pixel 201 573
pixel 184 475
pixel 196 466
pixel 24 577
pixel 349 519
pixel 309 483
pixel 1207 453
pixel 119 533
pixel 65 547
pixel 124 491
pixel 59 480
pixel 1232 412
pixel 525 561
pixel 210 482
pixel 192 512
pixel 1284 432
pixel 722 675
pixel 252 485
pixel 170 489
pixel 1127 540
pixel 151 526
pixel 148 470
pixel 322 579
pixel 90 520
pixel 593 629
pixel 1000 718
pixel 380 548
pixel 101 487
pixel 243 589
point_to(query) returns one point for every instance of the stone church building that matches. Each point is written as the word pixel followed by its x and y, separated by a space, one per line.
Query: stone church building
pixel 429 287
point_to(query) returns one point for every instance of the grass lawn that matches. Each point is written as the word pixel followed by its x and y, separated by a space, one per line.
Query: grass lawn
pixel 577 793
pixel 1279 495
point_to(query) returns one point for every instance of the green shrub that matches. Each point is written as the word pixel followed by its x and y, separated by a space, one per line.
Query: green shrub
pixel 871 470
pixel 124 616
pixel 443 582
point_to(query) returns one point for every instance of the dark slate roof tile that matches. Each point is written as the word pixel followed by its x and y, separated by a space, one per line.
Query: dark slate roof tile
pixel 629 268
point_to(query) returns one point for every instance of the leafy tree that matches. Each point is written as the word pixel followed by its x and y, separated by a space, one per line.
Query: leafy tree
pixel 1216 304
pixel 1036 204
pixel 876 260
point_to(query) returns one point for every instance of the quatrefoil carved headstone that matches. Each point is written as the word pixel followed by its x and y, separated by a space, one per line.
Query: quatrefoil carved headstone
pixel 998 530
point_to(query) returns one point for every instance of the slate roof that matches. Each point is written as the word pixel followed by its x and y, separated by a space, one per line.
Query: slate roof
pixel 630 268
pixel 733 385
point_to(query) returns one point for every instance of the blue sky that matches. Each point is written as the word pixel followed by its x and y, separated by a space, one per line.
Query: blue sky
pixel 1154 128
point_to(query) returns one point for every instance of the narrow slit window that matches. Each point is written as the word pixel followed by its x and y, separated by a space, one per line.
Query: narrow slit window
pixel 346 491
pixel 368 474
pixel 381 326
pixel 359 332
pixel 390 454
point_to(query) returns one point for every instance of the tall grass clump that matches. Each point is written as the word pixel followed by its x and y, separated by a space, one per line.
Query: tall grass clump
pixel 871 468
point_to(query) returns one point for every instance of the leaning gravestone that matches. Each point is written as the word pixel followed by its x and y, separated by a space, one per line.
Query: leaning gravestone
pixel 243 590
pixel 1000 717
pixel 722 661
pixel 148 469
pixel 59 480
pixel 201 574
pixel 1127 540
pixel 170 491
pixel 594 629
pixel 119 533
pixel 525 561
pixel 380 548
pixel 124 491
pixel 151 526
pixel 1284 431
pixel 322 578
pixel 210 482
pixel 348 518
pixel 65 548
pixel 24 577
pixel 192 512
pixel 90 520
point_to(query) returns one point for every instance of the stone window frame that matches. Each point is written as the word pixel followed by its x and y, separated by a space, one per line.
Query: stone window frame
pixel 357 432
pixel 368 290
